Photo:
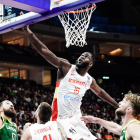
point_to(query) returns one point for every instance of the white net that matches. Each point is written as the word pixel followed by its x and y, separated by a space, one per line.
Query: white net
pixel 75 24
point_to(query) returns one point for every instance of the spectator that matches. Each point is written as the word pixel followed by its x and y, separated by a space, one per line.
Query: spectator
pixel 2 97
pixel 108 136
pixel 14 85
pixel 34 112
pixel 103 133
pixel 98 135
pixel 12 93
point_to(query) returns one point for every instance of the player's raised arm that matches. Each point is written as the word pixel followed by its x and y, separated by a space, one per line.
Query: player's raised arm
pixel 111 126
pixel 43 50
pixel 102 94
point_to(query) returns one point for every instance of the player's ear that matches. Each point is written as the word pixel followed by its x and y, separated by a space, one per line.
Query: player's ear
pixel 37 115
pixel 129 108
pixel 91 64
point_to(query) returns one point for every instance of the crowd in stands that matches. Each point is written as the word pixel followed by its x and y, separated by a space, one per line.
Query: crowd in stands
pixel 26 100
pixel 71 56
pixel 27 97
pixel 16 49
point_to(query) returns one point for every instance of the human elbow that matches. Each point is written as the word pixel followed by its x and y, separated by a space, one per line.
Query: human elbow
pixel 44 51
pixel 100 93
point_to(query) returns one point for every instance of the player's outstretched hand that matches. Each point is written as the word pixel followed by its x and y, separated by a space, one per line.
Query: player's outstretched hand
pixel 24 28
pixel 26 126
pixel 89 119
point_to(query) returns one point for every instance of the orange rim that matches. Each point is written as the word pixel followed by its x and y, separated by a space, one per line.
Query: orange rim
pixel 93 6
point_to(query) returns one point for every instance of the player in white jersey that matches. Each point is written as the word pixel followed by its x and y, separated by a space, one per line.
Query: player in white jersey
pixel 43 129
pixel 72 83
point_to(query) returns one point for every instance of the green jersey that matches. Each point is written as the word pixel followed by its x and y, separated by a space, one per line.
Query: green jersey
pixel 8 131
pixel 124 130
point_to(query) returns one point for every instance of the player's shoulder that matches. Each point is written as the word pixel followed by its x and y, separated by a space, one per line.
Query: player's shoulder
pixel 91 78
pixel 133 127
pixel 89 75
pixel 35 125
pixel 26 134
pixel 14 124
pixel 51 123
pixel 73 66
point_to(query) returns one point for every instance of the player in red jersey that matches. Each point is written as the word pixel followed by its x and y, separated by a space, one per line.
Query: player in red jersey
pixel 72 83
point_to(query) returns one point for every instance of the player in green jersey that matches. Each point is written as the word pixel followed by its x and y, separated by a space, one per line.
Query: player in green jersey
pixel 8 129
pixel 129 110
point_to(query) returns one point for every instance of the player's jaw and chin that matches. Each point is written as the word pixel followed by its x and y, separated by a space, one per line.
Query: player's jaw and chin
pixel 120 112
pixel 81 64
pixel 11 113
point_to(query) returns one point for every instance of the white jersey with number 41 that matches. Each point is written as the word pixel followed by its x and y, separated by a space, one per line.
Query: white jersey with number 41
pixel 48 131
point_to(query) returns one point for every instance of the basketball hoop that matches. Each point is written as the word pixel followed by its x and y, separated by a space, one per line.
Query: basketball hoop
pixel 75 24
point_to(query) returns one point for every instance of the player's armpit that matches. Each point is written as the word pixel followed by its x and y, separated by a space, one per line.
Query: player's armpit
pixel 133 131
pixel 61 131
pixel 65 66
pixel 26 135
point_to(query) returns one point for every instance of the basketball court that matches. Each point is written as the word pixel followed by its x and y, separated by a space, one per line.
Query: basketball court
pixel 75 17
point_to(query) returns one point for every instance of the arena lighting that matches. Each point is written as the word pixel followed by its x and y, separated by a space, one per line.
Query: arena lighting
pixel 0 74
pixel 116 51
pixel 105 77
pixel 109 61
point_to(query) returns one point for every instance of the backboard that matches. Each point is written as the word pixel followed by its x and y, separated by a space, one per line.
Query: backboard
pixel 34 11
